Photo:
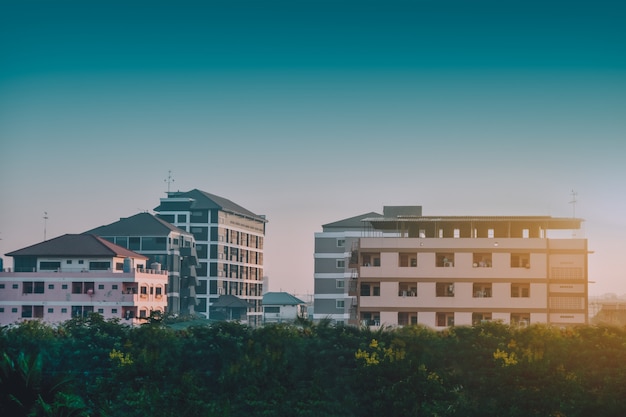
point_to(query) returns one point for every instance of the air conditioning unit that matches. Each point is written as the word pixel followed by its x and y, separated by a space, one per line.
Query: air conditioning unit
pixel 448 264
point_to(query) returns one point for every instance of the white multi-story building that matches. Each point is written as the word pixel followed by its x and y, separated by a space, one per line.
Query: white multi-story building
pixel 229 246
pixel 74 275
pixel 460 270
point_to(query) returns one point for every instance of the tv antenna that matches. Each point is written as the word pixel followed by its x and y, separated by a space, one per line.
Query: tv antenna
pixel 573 203
pixel 169 180
pixel 45 223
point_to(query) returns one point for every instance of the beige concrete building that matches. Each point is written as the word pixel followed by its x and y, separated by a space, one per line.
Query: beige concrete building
pixel 460 270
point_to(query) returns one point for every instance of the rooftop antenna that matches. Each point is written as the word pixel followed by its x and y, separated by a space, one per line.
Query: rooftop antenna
pixel 573 203
pixel 169 180
pixel 45 222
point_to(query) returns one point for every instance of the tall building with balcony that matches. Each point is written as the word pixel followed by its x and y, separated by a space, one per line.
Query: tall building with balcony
pixel 333 271
pixel 461 270
pixel 74 275
pixel 229 245
pixel 172 248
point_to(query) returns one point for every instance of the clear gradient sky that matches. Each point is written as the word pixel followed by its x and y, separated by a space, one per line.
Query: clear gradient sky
pixel 313 111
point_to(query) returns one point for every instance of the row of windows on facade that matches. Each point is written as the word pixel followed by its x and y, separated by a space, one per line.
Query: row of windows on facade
pixel 233 237
pixel 38 287
pixel 37 312
pixel 479 260
pixel 442 319
pixel 93 266
pixel 442 289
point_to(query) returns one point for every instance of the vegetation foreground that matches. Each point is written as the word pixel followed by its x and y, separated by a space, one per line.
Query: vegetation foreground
pixel 92 367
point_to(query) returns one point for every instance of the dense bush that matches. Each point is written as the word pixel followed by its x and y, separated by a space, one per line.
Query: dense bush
pixel 94 367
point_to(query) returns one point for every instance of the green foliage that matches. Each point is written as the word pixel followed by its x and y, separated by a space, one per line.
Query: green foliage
pixel 94 367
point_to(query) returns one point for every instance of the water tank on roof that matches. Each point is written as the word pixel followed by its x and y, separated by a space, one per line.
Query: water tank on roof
pixel 156 266
pixel 128 265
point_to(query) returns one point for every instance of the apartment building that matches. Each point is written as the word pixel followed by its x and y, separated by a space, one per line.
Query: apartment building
pixel 333 248
pixel 229 246
pixel 460 270
pixel 161 242
pixel 74 275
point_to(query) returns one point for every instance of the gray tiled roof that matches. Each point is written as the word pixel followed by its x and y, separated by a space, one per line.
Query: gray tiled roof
pixel 141 224
pixel 76 245
pixel 350 223
pixel 204 200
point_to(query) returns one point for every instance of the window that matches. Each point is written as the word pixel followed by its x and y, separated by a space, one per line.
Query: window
pixel 444 259
pixel 340 304
pixel 50 286
pixel 341 243
pixel 445 319
pixel 341 263
pixel 64 310
pixel 370 289
pixel 114 286
pixel 36 287
pixel 520 260
pixel 481 260
pixel 49 266
pixel 50 310
pixel 15 286
pixel 69 262
pixel 520 290
pixel 14 310
pixel 119 266
pixel 81 262
pixel 81 311
pixel 371 259
pixel 407 260
pixel 1 286
pixel 159 291
pixel 406 319
pixel 481 290
pixel 1 309
pixel 27 312
pixel 478 318
pixel 181 218
pixel 520 319
pixel 272 310
pixel 114 310
pixel 134 243
pixel 445 289
pixel 100 311
pixel 100 286
pixel 407 289
pixel 370 318
pixel 64 286
pixel 99 266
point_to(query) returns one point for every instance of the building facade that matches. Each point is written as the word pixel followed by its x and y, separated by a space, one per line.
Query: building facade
pixel 461 270
pixel 74 275
pixel 332 270
pixel 229 244
pixel 161 242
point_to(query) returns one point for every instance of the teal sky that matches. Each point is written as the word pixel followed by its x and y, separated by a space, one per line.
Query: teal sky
pixel 313 111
